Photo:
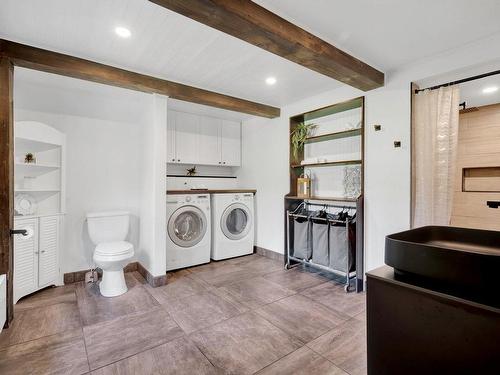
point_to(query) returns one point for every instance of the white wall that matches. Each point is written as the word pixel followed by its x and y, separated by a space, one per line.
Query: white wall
pixel 116 159
pixel 103 172
pixel 387 173
pixel 153 189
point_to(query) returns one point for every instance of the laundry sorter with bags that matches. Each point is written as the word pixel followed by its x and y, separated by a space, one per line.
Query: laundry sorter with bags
pixel 327 237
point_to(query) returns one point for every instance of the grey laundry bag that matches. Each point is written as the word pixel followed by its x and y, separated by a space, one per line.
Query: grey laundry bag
pixel 301 238
pixel 320 242
pixel 339 248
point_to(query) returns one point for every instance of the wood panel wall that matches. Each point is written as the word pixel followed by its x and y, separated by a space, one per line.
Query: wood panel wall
pixel 478 146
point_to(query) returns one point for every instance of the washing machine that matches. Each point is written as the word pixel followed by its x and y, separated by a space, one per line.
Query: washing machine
pixel 232 225
pixel 188 230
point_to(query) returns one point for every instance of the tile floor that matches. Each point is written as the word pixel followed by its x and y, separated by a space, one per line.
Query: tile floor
pixel 240 316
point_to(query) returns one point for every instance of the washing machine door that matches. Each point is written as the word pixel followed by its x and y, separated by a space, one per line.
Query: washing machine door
pixel 187 226
pixel 236 221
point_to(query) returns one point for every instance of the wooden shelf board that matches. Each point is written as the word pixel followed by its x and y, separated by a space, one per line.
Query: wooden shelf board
pixel 332 109
pixel 335 135
pixel 315 198
pixel 328 164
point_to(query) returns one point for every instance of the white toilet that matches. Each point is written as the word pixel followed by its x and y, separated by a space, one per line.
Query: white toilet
pixel 108 231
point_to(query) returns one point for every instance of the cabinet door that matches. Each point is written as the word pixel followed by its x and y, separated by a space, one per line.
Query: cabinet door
pixel 231 143
pixel 48 245
pixel 209 150
pixel 186 138
pixel 171 137
pixel 25 258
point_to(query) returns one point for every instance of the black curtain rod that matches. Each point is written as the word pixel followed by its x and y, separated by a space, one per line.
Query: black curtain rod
pixel 484 75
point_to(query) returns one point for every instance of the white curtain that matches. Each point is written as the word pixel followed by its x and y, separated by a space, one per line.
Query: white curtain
pixel 435 141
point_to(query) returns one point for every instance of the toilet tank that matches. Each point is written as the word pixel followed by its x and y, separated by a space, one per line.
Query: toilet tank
pixel 108 226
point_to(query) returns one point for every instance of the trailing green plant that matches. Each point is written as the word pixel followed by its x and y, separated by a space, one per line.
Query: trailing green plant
pixel 299 136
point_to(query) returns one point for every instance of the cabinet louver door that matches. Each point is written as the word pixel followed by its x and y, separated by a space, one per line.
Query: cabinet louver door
pixel 49 245
pixel 25 259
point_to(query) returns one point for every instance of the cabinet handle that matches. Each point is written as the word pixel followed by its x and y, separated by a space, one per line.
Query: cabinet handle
pixel 43 251
pixel 173 159
pixel 179 160
pixel 223 162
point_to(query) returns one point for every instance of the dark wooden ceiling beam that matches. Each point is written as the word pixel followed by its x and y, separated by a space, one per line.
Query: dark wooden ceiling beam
pixel 66 65
pixel 256 25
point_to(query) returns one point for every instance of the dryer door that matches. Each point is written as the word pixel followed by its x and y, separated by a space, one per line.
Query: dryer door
pixel 187 226
pixel 236 221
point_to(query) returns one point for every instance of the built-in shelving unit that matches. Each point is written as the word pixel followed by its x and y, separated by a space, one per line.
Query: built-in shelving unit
pixel 42 183
pixel 43 178
pixel 336 143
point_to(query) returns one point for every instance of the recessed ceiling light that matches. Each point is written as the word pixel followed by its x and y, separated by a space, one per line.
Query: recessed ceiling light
pixel 271 80
pixel 122 32
pixel 490 89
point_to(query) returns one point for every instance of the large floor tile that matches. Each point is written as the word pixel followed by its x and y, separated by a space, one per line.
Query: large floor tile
pixel 244 344
pixel 62 353
pixel 179 356
pixel 345 346
pixel 202 310
pixel 295 279
pixel 35 323
pixel 45 297
pixel 116 339
pixel 178 288
pixel 299 316
pixel 302 362
pixel 255 292
pixel 224 275
pixel 263 265
pixel 333 296
pixel 94 308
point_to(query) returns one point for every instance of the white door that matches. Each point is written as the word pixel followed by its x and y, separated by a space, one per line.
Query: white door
pixel 231 143
pixel 25 258
pixel 186 138
pixel 171 158
pixel 48 267
pixel 209 150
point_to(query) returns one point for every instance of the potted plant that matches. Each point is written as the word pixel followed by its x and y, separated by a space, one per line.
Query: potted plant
pixel 299 136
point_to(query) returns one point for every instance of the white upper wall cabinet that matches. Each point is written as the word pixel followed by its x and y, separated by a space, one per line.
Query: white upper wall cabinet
pixel 209 132
pixel 203 140
pixel 231 143
pixel 171 157
pixel 187 138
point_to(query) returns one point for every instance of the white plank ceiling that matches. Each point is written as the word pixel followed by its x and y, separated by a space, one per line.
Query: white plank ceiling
pixel 384 33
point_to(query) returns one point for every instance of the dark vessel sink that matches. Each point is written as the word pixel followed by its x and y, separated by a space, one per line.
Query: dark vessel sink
pixel 457 261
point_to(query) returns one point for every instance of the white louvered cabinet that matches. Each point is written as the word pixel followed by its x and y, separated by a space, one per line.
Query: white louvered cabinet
pixel 36 256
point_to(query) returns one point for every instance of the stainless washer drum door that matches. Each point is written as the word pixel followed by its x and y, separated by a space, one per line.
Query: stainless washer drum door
pixel 236 221
pixel 187 226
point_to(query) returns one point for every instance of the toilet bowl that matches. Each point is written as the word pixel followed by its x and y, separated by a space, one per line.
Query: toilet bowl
pixel 108 231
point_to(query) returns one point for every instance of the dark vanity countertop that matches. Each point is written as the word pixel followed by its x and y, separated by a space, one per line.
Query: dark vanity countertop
pixel 211 191
pixel 386 274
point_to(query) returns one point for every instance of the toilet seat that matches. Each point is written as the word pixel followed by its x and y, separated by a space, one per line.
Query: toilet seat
pixel 114 248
